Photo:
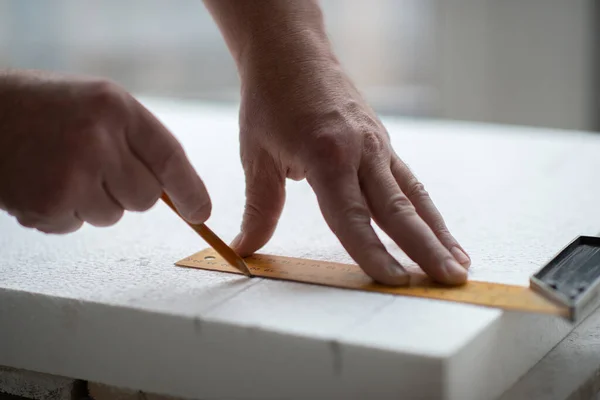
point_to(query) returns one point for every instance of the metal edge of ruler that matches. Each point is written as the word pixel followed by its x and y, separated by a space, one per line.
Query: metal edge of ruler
pixel 564 281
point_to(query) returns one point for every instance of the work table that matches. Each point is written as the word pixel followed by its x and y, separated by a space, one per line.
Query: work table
pixel 108 305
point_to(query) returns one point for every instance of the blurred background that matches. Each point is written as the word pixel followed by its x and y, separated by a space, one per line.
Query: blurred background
pixel 525 62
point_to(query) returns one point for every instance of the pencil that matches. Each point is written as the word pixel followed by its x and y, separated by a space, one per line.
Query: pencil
pixel 214 241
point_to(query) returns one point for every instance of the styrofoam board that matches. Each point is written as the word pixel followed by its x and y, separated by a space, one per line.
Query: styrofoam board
pixel 109 306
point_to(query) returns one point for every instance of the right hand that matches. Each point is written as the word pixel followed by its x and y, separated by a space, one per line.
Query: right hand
pixel 306 120
pixel 75 150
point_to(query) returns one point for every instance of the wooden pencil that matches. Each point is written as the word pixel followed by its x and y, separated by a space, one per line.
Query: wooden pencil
pixel 214 241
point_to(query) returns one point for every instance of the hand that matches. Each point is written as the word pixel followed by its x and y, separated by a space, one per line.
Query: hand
pixel 74 150
pixel 306 120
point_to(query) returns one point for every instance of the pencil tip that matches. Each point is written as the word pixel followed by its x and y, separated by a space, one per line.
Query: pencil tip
pixel 244 268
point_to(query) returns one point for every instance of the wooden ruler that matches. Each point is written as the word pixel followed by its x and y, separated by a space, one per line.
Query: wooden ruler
pixel 347 276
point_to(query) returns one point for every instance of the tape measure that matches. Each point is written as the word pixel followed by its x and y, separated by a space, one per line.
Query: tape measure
pixel 567 286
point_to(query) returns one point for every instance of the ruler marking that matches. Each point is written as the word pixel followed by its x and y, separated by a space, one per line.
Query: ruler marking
pixel 347 276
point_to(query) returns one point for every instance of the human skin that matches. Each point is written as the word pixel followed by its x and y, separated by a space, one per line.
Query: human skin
pixel 77 149
pixel 301 117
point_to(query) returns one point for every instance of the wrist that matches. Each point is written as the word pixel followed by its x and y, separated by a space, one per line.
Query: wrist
pixel 289 39
pixel 278 43
pixel 268 37
pixel 293 63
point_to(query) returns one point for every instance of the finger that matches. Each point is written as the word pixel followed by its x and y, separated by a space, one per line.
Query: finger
pixel 98 207
pixel 133 186
pixel 62 224
pixel 162 154
pixel 265 197
pixel 425 207
pixel 343 207
pixel 395 214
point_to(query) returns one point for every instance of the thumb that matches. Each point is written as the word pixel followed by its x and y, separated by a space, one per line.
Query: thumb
pixel 265 197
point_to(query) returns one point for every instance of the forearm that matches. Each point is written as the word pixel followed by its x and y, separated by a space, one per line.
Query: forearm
pixel 272 32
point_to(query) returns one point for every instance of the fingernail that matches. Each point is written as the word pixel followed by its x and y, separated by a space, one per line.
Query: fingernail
pixel 460 256
pixel 455 272
pixel 200 215
pixel 398 276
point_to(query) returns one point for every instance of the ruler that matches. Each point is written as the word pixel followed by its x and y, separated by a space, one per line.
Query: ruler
pixel 567 286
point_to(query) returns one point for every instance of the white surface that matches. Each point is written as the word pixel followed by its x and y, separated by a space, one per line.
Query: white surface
pixel 108 305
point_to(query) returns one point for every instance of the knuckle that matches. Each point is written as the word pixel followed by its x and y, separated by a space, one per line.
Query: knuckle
pixel 145 202
pixel 264 198
pixel 198 208
pixel 353 214
pixel 295 173
pixel 141 198
pixel 54 202
pixel 374 142
pixel 416 190
pixel 165 161
pixel 370 246
pixel 254 214
pixel 398 205
pixel 93 147
pixel 70 228
pixel 262 204
pixel 58 225
pixel 113 217
pixel 28 221
pixel 105 96
pixel 105 218
pixel 332 151
pixel 439 227
pixel 60 230
pixel 45 209
pixel 266 214
pixel 105 109
pixel 103 119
